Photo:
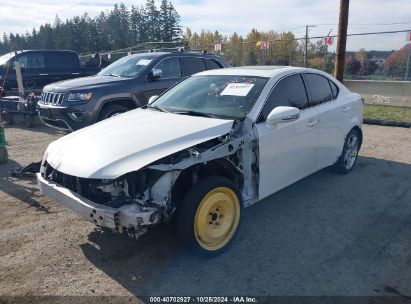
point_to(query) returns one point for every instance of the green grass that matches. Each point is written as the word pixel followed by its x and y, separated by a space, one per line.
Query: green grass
pixel 400 114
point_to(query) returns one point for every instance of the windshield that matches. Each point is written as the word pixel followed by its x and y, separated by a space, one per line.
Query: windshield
pixel 219 96
pixel 4 58
pixel 128 67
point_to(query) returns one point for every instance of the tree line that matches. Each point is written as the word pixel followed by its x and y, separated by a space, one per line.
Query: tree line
pixel 279 48
pixel 122 28
pixel 285 49
pixel 118 28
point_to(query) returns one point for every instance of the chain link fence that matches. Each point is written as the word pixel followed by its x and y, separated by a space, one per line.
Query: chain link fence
pixel 369 56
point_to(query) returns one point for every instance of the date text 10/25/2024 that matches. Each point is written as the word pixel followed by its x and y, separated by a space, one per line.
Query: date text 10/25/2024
pixel 209 299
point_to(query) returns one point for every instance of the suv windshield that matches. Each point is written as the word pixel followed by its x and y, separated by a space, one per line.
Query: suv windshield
pixel 128 67
pixel 221 96
pixel 4 58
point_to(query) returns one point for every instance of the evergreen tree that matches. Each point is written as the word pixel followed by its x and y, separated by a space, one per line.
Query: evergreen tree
pixel 116 29
pixel 152 19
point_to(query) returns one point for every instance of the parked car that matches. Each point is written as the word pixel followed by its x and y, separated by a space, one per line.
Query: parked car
pixel 218 141
pixel 126 84
pixel 41 67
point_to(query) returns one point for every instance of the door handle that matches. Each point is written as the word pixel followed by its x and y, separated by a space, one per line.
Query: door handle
pixel 312 123
pixel 345 109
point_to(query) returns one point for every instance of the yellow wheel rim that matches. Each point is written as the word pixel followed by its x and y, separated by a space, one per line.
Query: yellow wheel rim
pixel 217 218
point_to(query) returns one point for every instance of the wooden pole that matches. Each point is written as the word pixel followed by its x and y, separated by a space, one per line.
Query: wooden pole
pixel 341 40
pixel 306 46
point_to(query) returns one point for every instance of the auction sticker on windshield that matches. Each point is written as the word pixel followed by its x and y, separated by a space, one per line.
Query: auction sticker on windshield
pixel 143 62
pixel 237 89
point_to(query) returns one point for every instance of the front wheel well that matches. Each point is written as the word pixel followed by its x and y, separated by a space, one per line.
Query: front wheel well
pixel 121 102
pixel 196 173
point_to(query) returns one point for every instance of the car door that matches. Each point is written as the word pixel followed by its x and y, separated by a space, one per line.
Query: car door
pixel 33 70
pixel 333 117
pixel 171 74
pixel 191 65
pixel 61 66
pixel 287 151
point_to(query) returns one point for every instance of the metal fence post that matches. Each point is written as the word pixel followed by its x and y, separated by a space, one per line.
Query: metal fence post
pixel 407 71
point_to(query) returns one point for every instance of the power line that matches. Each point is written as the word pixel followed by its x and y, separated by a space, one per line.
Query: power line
pixel 364 24
pixel 67 8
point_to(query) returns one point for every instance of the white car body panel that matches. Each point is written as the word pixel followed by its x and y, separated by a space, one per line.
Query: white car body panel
pixel 130 141
pixel 288 151
pixel 333 127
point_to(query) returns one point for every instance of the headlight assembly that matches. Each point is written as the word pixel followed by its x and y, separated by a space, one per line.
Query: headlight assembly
pixel 80 96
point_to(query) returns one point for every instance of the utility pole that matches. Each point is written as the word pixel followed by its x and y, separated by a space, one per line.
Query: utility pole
pixel 306 45
pixel 341 40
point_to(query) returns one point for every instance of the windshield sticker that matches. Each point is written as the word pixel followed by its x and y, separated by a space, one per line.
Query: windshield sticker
pixel 237 89
pixel 143 62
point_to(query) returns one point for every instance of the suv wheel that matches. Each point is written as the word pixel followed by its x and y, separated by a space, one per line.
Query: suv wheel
pixel 112 110
pixel 209 216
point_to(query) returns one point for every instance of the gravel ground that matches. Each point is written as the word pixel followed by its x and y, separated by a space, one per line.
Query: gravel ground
pixel 325 235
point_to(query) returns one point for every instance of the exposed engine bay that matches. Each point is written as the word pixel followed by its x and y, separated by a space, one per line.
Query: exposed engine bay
pixel 150 195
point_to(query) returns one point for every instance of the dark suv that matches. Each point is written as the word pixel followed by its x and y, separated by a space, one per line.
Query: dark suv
pixel 41 67
pixel 124 85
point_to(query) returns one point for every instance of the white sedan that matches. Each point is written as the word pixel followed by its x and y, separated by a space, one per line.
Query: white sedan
pixel 215 143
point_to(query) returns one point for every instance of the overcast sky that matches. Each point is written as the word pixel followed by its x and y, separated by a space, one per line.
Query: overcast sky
pixel 239 16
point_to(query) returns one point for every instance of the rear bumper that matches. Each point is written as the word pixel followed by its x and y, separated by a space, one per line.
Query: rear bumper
pixel 127 217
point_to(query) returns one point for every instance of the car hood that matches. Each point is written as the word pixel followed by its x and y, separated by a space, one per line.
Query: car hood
pixel 130 141
pixel 83 83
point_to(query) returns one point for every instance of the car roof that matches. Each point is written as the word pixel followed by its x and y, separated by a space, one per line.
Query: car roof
pixel 46 50
pixel 175 53
pixel 256 71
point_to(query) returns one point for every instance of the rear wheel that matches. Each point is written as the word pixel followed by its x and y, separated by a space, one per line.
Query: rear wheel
pixel 349 155
pixel 112 110
pixel 209 217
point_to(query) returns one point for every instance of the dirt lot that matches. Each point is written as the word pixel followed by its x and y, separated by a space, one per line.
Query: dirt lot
pixel 325 235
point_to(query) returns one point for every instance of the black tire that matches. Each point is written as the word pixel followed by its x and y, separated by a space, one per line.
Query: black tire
pixel 3 155
pixel 112 110
pixel 345 165
pixel 29 121
pixel 193 204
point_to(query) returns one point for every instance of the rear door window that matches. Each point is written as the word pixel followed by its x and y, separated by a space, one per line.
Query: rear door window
pixel 334 89
pixel 319 88
pixel 192 65
pixel 212 64
pixel 57 61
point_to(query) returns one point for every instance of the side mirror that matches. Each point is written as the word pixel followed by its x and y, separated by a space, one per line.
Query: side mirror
pixel 282 114
pixel 155 74
pixel 152 99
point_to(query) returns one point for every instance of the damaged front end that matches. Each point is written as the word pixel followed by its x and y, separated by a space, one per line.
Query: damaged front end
pixel 128 204
pixel 137 200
